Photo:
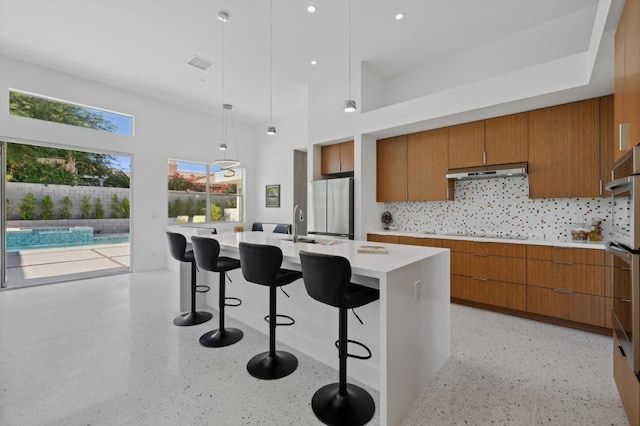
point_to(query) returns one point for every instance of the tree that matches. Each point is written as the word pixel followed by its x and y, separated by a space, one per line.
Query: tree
pixel 98 210
pixel 85 208
pixel 116 207
pixel 28 206
pixel 126 208
pixel 216 213
pixel 67 205
pixel 46 207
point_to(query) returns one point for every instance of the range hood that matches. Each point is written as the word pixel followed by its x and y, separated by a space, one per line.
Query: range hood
pixel 488 172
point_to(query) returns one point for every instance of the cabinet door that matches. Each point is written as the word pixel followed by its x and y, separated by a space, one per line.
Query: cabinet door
pixel 494 293
pixel 506 139
pixel 427 157
pixel 466 145
pixel 619 88
pixel 564 151
pixel 566 276
pixel 576 307
pixel 391 176
pixel 606 142
pixel 632 72
pixel 330 159
pixel 346 157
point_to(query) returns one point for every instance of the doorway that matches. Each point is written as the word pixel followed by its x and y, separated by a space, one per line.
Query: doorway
pixel 65 214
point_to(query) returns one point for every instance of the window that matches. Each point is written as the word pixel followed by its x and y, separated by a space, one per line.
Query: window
pixel 203 193
pixel 29 105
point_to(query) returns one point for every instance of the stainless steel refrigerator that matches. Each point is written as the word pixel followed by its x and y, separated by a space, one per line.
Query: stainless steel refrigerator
pixel 330 209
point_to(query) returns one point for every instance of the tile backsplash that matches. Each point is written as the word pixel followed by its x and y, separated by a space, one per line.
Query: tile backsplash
pixel 503 207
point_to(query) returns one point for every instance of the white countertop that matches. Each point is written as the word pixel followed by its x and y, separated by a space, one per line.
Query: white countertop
pixel 366 264
pixel 531 241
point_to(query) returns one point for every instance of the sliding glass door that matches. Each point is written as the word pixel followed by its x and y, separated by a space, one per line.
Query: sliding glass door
pixel 66 214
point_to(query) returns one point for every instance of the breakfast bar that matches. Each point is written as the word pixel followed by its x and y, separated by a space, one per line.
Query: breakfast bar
pixel 408 330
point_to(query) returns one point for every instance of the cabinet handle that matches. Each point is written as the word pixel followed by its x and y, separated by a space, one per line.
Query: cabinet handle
pixel 622 136
pixel 481 254
pixel 340 168
pixel 480 279
pixel 622 351
pixel 558 262
pixel 406 194
pixel 625 269
pixel 600 187
pixel 484 157
pixel 625 300
pixel 562 291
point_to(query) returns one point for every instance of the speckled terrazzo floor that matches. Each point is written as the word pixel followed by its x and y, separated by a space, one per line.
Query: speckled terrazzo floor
pixel 104 352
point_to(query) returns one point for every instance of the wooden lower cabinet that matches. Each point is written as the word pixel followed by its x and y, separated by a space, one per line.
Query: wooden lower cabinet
pixel 574 277
pixel 394 239
pixel 496 293
pixel 627 384
pixel 584 308
pixel 498 268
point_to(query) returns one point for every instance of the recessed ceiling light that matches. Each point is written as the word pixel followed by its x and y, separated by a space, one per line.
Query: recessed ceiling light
pixel 314 62
pixel 399 16
pixel 311 8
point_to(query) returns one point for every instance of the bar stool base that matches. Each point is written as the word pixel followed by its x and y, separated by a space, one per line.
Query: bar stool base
pixel 194 318
pixel 355 408
pixel 219 338
pixel 267 367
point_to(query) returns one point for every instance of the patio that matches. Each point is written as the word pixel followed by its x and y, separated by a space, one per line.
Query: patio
pixel 26 265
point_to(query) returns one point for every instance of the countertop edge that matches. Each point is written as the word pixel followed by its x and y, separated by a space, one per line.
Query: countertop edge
pixel 597 245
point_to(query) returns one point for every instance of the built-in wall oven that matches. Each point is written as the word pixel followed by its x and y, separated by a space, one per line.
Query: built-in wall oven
pixel 623 248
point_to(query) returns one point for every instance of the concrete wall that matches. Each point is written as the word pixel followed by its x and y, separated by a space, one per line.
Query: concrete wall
pixel 17 190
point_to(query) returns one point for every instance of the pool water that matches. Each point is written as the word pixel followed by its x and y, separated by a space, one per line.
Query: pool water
pixel 57 237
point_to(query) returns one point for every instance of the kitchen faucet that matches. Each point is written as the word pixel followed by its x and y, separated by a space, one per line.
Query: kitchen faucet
pixel 299 217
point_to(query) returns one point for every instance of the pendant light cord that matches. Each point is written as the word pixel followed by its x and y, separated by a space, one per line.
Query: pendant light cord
pixel 270 62
pixel 349 59
pixel 224 111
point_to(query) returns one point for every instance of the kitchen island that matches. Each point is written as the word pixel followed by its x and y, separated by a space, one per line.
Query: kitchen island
pixel 407 330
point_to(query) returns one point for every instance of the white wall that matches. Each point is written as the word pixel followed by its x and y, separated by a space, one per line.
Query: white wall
pixel 162 131
pixel 274 166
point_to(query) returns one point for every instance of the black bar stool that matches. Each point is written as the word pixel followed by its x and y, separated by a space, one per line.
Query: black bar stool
pixel 261 265
pixel 207 255
pixel 178 249
pixel 328 280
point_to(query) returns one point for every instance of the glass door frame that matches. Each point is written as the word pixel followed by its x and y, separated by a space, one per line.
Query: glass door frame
pixel 3 210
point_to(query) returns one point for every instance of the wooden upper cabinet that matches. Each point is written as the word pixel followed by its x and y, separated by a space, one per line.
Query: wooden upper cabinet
pixel 627 80
pixel 391 163
pixel 564 151
pixel 427 154
pixel 337 158
pixel 466 145
pixel 606 141
pixel 506 139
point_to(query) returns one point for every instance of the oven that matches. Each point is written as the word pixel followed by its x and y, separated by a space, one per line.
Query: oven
pixel 623 249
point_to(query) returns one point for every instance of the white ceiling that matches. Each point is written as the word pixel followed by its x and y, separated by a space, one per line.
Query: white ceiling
pixel 144 45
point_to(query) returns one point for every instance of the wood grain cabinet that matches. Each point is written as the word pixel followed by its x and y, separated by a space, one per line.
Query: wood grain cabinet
pixel 500 140
pixel 413 167
pixel 488 273
pixel 627 80
pixel 337 158
pixel 566 283
pixel 564 151
pixel 627 384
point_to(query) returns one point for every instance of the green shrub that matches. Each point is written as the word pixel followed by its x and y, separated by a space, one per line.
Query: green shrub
pixel 190 207
pixel 178 207
pixel 116 207
pixel 85 208
pixel 98 210
pixel 46 207
pixel 216 213
pixel 28 206
pixel 65 210
pixel 126 208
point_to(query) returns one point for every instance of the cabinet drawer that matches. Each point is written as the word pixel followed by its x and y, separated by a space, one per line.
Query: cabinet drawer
pixel 494 293
pixel 566 254
pixel 627 384
pixel 577 307
pixel 497 268
pixel 564 276
pixel 488 248
pixel 383 238
pixel 425 242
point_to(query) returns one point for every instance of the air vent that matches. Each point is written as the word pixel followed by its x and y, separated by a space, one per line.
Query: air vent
pixel 200 62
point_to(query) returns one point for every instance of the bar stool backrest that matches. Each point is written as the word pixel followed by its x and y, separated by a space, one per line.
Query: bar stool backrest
pixel 177 245
pixel 206 251
pixel 326 277
pixel 260 263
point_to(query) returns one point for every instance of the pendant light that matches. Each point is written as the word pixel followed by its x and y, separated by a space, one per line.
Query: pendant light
pixel 349 104
pixel 271 129
pixel 227 114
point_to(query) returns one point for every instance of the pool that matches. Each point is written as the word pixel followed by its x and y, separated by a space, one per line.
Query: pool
pixel 58 236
